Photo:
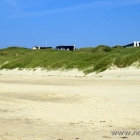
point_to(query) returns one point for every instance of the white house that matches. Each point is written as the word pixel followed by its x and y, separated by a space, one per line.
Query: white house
pixel 131 45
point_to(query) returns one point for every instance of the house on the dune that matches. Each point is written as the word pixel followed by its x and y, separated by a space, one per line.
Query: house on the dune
pixel 39 47
pixel 131 45
pixel 61 47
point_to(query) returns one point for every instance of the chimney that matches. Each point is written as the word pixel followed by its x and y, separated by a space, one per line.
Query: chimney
pixel 138 43
pixel 135 43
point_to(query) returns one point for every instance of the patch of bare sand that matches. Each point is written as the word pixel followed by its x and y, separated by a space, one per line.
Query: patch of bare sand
pixel 68 108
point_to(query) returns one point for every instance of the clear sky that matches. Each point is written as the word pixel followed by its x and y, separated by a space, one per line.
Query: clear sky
pixel 85 23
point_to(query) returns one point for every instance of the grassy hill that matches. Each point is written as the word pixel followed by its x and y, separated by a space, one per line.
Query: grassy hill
pixel 86 59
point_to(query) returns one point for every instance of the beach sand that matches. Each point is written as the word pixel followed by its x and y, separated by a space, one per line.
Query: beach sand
pixel 55 105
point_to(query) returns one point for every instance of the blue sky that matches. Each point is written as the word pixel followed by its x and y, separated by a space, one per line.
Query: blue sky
pixel 85 23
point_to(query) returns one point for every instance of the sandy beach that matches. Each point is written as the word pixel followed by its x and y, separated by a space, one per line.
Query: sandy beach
pixel 55 105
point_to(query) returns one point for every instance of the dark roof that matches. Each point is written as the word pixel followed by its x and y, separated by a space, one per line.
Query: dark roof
pixel 131 44
pixel 45 47
pixel 39 47
pixel 70 47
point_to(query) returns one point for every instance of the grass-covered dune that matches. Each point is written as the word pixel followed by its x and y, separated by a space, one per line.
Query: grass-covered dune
pixel 88 60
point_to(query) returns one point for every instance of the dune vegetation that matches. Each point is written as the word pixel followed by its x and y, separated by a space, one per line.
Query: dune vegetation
pixel 87 59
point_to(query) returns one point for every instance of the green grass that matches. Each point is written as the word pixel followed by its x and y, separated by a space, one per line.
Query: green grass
pixel 87 59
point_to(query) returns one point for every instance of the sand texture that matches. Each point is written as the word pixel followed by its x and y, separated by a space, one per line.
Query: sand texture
pixel 35 105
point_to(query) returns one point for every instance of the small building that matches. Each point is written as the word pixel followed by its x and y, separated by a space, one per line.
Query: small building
pixel 61 47
pixel 39 47
pixel 131 45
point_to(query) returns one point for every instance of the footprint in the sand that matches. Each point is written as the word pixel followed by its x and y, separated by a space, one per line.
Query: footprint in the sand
pixel 102 121
pixel 106 137
pixel 124 137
